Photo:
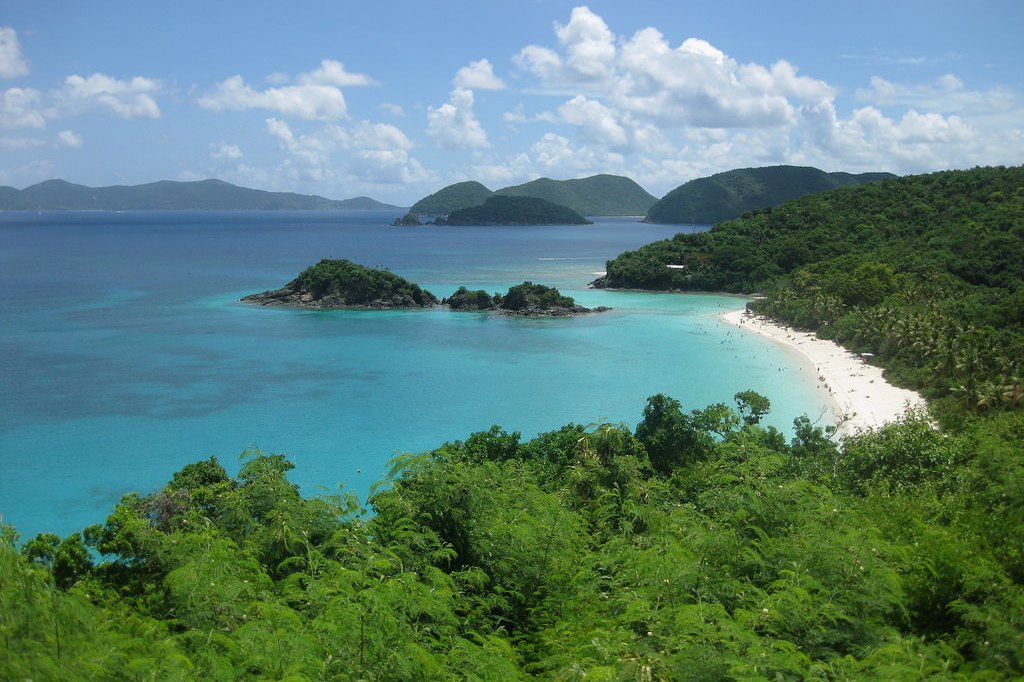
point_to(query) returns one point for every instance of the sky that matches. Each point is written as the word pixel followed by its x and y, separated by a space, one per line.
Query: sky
pixel 395 99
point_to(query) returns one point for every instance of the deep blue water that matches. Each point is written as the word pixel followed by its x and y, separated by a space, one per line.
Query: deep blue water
pixel 125 354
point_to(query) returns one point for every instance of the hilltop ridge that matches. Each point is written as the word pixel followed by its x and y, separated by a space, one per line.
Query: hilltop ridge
pixel 728 195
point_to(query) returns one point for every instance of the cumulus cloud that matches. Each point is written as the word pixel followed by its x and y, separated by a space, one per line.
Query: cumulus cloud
pixel 478 75
pixel 98 93
pixel 588 53
pixel 333 73
pixel 128 99
pixel 316 96
pixel 454 125
pixel 12 63
pixel 596 122
pixel 225 152
pixel 369 153
pixel 308 101
pixel 20 108
pixel 69 139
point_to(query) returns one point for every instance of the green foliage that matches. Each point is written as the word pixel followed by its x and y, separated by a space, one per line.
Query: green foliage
pixel 535 296
pixel 516 210
pixel 702 546
pixel 729 195
pixel 926 273
pixel 358 285
pixel 464 299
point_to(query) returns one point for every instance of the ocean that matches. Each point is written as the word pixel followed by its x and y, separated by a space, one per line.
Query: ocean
pixel 126 355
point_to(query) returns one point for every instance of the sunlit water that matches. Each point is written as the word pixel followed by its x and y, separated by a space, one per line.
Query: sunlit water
pixel 125 354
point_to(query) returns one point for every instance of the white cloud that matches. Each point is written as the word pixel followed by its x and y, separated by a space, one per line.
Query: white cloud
pixel 334 74
pixel 225 152
pixel 128 99
pixel 12 63
pixel 20 108
pixel 317 95
pixel 596 122
pixel 478 75
pixel 454 125
pixel 589 53
pixel 309 101
pixel 370 153
pixel 392 108
pixel 69 139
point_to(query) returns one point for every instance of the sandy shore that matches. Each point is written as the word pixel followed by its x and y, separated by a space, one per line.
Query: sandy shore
pixel 861 398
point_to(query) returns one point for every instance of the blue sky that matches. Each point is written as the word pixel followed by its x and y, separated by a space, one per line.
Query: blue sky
pixel 396 99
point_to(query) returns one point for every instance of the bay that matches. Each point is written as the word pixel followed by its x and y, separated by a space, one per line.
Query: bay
pixel 125 353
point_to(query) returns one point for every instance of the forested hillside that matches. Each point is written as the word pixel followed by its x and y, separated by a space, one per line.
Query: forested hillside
pixel 925 272
pixel 451 198
pixel 598 195
pixel 728 195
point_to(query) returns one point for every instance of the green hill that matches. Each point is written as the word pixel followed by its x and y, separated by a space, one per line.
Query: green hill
pixel 598 195
pixel 210 195
pixel 501 210
pixel 728 195
pixel 925 272
pixel 452 198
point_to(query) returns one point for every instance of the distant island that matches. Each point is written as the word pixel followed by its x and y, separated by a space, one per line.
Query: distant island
pixel 500 210
pixel 334 284
pixel 526 299
pixel 167 195
pixel 340 283
pixel 729 195
pixel 598 195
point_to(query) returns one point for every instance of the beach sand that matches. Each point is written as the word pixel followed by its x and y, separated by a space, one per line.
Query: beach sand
pixel 861 398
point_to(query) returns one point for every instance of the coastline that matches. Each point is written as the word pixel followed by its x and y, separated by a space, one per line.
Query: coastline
pixel 861 398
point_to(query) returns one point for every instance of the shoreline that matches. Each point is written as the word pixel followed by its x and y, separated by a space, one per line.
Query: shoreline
pixel 860 396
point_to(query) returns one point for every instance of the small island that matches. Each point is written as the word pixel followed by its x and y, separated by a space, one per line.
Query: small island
pixel 526 299
pixel 502 210
pixel 338 283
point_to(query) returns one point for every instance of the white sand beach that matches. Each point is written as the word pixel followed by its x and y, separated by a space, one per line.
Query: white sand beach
pixel 861 398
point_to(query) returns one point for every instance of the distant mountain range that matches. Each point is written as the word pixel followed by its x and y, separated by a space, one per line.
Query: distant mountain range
pixel 729 195
pixel 166 195
pixel 598 195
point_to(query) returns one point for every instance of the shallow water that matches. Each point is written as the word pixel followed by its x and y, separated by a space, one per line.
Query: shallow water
pixel 126 355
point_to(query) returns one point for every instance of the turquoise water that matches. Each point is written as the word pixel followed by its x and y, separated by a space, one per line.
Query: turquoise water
pixel 126 355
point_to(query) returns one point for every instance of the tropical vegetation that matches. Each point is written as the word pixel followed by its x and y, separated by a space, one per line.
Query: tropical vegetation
pixel 925 273
pixel 340 283
pixel 525 298
pixel 698 546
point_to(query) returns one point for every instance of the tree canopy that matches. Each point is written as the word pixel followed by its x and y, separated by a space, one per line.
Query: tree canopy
pixel 700 545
